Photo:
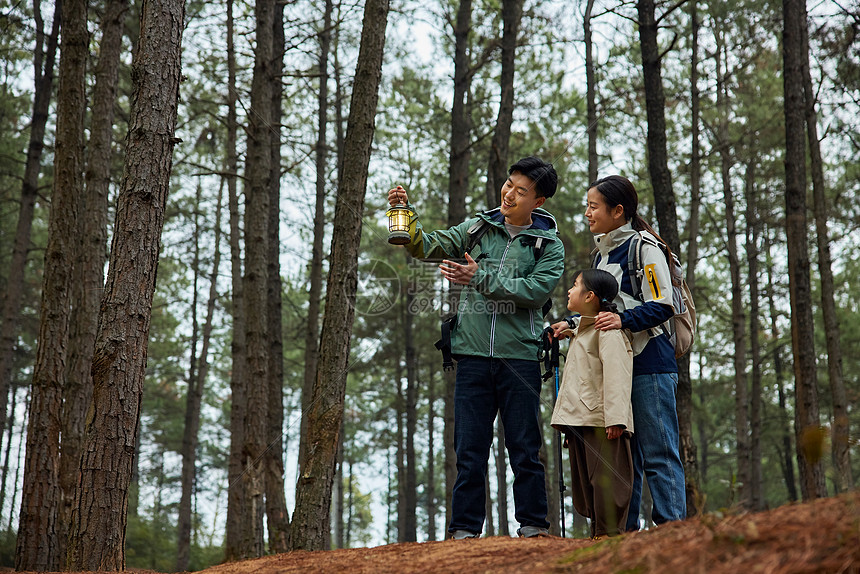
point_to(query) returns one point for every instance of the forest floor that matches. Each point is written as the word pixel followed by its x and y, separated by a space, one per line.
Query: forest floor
pixel 822 536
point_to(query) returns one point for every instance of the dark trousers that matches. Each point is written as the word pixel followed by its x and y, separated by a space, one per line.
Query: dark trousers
pixel 511 388
pixel 602 478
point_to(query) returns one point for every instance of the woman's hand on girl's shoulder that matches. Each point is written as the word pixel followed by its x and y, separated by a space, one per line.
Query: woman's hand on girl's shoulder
pixel 607 321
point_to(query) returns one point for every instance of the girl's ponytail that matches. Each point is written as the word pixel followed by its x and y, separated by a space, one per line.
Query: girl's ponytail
pixel 610 306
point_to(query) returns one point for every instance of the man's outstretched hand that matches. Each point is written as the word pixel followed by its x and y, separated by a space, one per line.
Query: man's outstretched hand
pixel 456 273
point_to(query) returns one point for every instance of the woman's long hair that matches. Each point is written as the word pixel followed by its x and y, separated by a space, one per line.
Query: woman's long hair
pixel 601 283
pixel 617 190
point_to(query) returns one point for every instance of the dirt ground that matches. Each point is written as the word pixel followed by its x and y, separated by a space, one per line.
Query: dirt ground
pixel 823 536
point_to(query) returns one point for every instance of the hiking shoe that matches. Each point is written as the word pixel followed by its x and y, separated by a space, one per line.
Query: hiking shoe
pixel 532 532
pixel 463 535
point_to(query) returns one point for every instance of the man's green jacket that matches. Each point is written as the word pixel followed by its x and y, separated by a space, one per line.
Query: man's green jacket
pixel 500 310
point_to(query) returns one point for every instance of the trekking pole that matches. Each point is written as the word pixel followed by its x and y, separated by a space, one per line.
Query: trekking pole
pixel 551 361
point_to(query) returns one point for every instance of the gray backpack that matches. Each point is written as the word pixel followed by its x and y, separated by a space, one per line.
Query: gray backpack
pixel 681 328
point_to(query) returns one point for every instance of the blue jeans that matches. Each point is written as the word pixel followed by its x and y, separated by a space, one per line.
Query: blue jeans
pixel 511 388
pixel 655 449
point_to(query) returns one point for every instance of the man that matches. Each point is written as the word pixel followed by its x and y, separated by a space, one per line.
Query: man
pixel 508 276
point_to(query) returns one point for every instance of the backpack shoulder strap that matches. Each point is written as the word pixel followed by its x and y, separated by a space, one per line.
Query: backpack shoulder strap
pixel 474 233
pixel 635 270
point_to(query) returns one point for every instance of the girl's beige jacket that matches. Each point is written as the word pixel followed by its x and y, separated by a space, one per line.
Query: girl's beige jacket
pixel 598 375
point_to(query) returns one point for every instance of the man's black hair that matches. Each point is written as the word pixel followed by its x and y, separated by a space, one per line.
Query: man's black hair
pixel 539 171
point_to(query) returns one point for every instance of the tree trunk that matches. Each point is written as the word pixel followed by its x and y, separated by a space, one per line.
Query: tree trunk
pixel 38 544
pixel 6 458
pixel 238 380
pixel 277 516
pixel 350 506
pixel 313 493
pixel 88 283
pixel 97 533
pixel 590 94
pixel 430 486
pixel 43 88
pixel 192 413
pixel 339 496
pixel 664 204
pixel 315 292
pixel 684 397
pixel 458 187
pixel 497 170
pixel 399 408
pixel 256 281
pixel 840 439
pixel 807 421
pixel 551 486
pixel 786 460
pixel 411 408
pixel 502 479
pixel 196 382
pixel 756 486
pixel 490 525
pixel 658 166
pixel 739 343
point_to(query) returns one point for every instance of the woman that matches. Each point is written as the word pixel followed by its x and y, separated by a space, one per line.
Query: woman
pixel 611 211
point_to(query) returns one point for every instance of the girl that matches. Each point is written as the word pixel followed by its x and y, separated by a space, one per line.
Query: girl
pixel 595 395
pixel 611 211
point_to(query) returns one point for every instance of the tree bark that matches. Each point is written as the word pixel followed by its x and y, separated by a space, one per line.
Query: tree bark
pixel 808 433
pixel 739 343
pixel 551 485
pixel 687 445
pixel 590 94
pixel 256 281
pixel 489 524
pixel 97 533
pixel 88 283
pixel 840 436
pixel 497 170
pixel 38 543
pixel 196 384
pixel 277 516
pixel 786 460
pixel 313 493
pixel 756 486
pixel 315 292
pixel 6 457
pixel 238 380
pixel 44 58
pixel 192 412
pixel 458 186
pixel 399 412
pixel 339 497
pixel 664 204
pixel 658 163
pixel 411 408
pixel 502 479
pixel 430 487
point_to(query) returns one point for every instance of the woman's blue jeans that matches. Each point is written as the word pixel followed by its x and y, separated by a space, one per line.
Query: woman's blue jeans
pixel 655 449
pixel 512 388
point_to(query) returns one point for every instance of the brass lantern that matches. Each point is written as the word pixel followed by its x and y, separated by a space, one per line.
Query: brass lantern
pixel 398 224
